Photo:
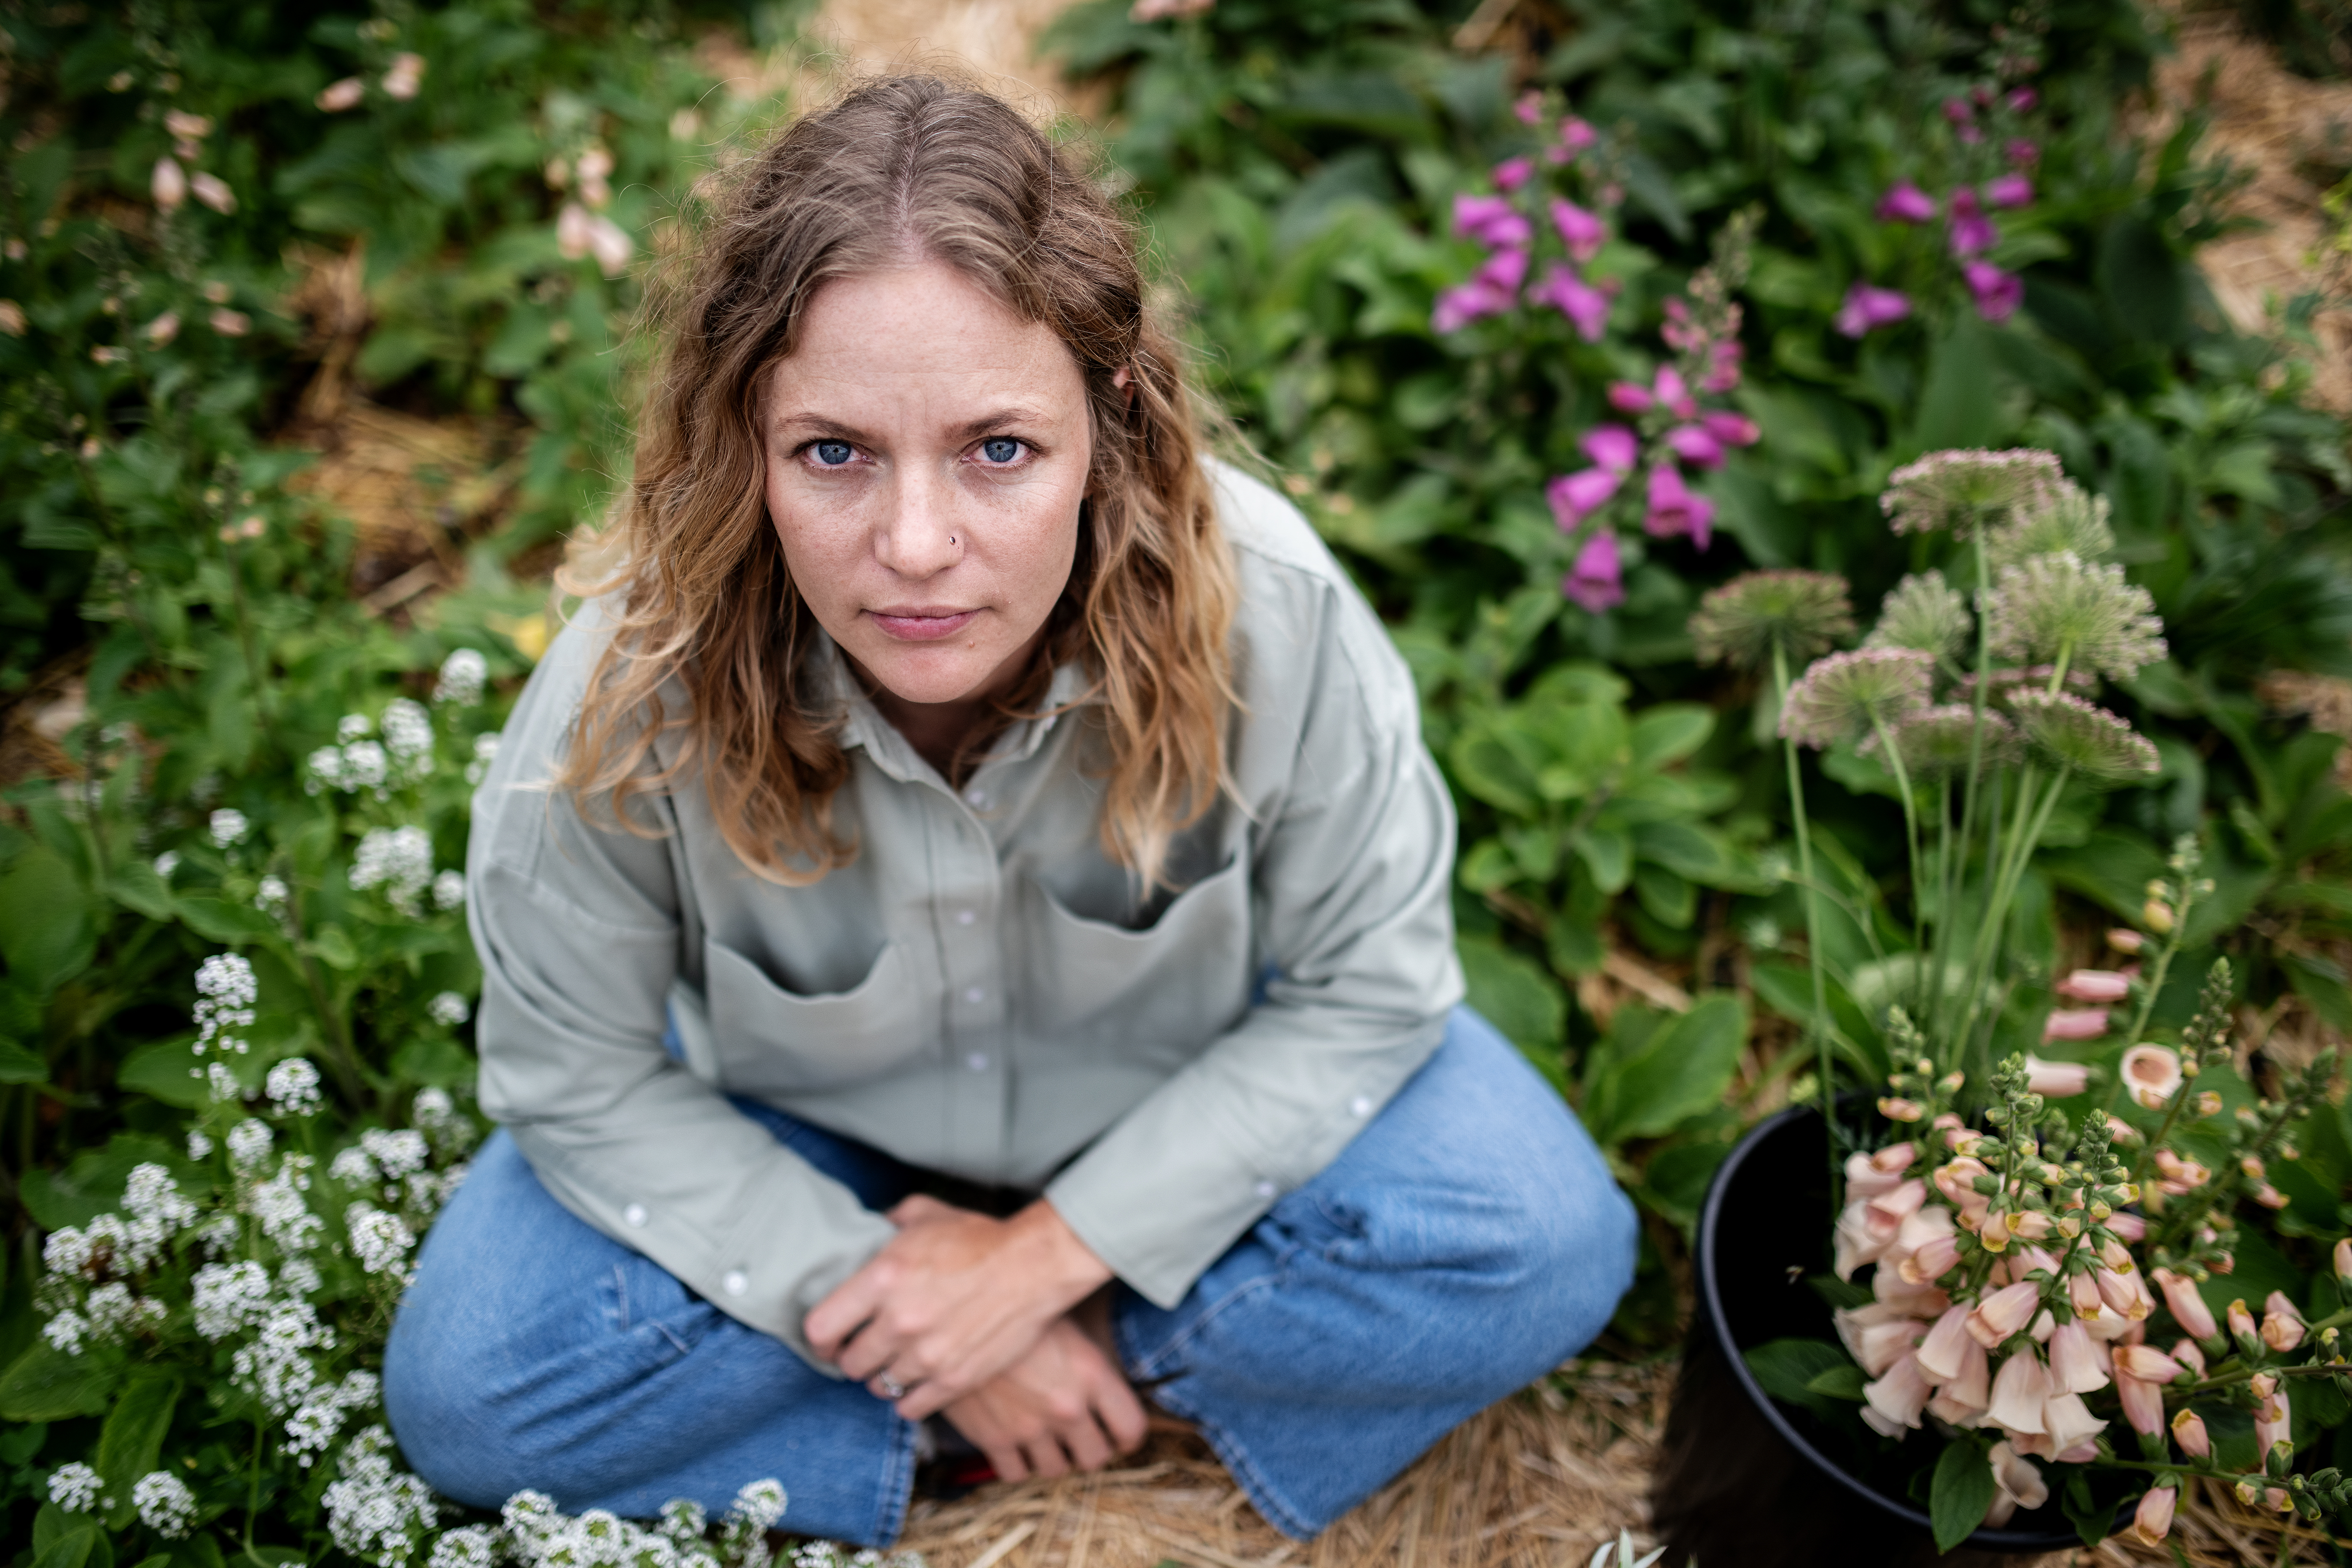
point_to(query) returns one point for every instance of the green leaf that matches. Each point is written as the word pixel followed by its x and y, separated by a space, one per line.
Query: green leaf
pixel 137 887
pixel 217 920
pixel 1787 1368
pixel 1958 406
pixel 333 946
pixel 18 1065
pixel 45 1383
pixel 165 1070
pixel 1667 734
pixel 1515 995
pixel 131 1441
pixel 44 925
pixel 1839 1382
pixel 93 1183
pixel 1963 1488
pixel 1608 854
pixel 62 1539
pixel 1680 1072
pixel 2092 1522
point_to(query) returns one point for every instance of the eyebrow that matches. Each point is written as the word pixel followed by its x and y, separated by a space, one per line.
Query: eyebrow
pixel 995 419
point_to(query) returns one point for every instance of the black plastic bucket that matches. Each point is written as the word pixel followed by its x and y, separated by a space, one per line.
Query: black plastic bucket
pixel 1746 1480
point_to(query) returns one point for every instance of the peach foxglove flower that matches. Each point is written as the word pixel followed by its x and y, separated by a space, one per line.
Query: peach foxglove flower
pixel 2082 1291
pixel 2187 1353
pixel 2099 985
pixel 2019 1485
pixel 2130 1226
pixel 169 186
pixel 1877 1335
pixel 2147 1363
pixel 2056 1080
pixel 229 323
pixel 1956 1181
pixel 2282 1324
pixel 1895 1109
pixel 2342 1258
pixel 2151 1073
pixel 1862 1237
pixel 2075 1360
pixel 2068 1422
pixel 2126 1293
pixel 213 191
pixel 2270 1423
pixel 406 75
pixel 12 318
pixel 2019 1390
pixel 2187 1304
pixel 337 96
pixel 2240 1322
pixel 2003 1313
pixel 572 236
pixel 162 329
pixel 1893 1401
pixel 2153 1521
pixel 2143 1401
pixel 612 245
pixel 1868 1175
pixel 1933 1259
pixel 1940 1352
pixel 2189 1431
pixel 2124 940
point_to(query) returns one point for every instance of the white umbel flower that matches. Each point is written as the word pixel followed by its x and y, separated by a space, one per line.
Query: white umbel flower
pixel 226 992
pixel 464 674
pixel 165 1504
pixel 449 1008
pixel 293 1088
pixel 397 859
pixel 75 1488
pixel 228 827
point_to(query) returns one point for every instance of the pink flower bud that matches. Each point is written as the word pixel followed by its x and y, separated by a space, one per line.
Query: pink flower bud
pixel 1998 293
pixel 1586 307
pixel 1575 135
pixel 2143 1401
pixel 2124 1293
pixel 337 96
pixel 2153 1521
pixel 2241 1320
pixel 572 232
pixel 1530 108
pixel 2130 1226
pixel 2057 1080
pixel 2272 1421
pixel 2150 1074
pixel 2124 941
pixel 406 75
pixel 2147 1363
pixel 169 186
pixel 1895 1109
pixel 1906 202
pixel 164 328
pixel 1579 231
pixel 1673 392
pixel 2104 987
pixel 229 323
pixel 1574 496
pixel 2342 1258
pixel 2008 192
pixel 1513 172
pixel 213 191
pixel 2189 1431
pixel 1630 397
pixel 1491 221
pixel 2082 1291
pixel 2282 1326
pixel 2187 1353
pixel 1694 444
pixel 2187 1306
pixel 2075 1024
pixel 1613 446
pixel 2022 153
pixel 1731 429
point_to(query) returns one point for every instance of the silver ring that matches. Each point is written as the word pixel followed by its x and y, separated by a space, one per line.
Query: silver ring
pixel 892 1386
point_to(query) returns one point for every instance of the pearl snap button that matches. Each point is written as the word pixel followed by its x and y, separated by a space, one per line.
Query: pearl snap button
pixel 1361 1105
pixel 635 1214
pixel 964 917
pixel 978 796
pixel 1265 1189
pixel 975 995
pixel 976 1061
pixel 736 1283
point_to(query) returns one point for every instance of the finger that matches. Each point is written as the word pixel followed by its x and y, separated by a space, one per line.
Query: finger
pixel 1089 1448
pixel 874 1351
pixel 1046 1459
pixel 833 1320
pixel 930 1398
pixel 916 1209
pixel 1121 1412
pixel 1004 1458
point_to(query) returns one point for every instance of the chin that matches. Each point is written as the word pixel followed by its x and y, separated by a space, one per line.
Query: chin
pixel 927 677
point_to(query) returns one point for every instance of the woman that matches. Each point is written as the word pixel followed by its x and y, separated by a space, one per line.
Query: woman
pixel 964 914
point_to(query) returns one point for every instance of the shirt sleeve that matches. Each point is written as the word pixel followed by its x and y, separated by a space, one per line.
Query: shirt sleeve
pixel 1352 899
pixel 577 925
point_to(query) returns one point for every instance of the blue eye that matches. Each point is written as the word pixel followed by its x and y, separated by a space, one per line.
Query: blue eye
pixel 832 453
pixel 999 448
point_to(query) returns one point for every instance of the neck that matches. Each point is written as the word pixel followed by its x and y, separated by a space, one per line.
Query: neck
pixel 950 735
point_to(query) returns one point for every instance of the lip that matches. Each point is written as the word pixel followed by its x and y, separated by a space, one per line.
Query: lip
pixel 921 623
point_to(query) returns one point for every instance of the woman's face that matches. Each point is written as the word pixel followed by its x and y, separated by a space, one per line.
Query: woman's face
pixel 927 454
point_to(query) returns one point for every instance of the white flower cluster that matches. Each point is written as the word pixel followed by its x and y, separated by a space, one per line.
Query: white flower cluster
pixel 397 859
pixel 450 890
pixel 321 1415
pixel 379 1241
pixel 449 1008
pixel 286 1219
pixel 225 993
pixel 270 895
pixel 464 674
pixel 76 1488
pixel 248 1143
pixel 375 1512
pixel 107 1253
pixel 228 827
pixel 293 1088
pixel 273 1367
pixel 408 736
pixel 229 1298
pixel 355 765
pixel 165 1504
pixel 533 1534
pixel 486 752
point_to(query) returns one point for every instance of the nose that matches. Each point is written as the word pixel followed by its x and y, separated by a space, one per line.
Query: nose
pixel 919 537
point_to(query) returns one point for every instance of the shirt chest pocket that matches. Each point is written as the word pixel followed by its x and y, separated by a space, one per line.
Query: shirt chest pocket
pixel 1177 984
pixel 769 1041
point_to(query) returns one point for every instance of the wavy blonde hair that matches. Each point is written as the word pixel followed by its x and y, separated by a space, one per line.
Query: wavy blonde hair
pixel 697 590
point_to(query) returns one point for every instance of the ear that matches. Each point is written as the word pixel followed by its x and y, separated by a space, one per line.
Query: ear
pixel 1123 378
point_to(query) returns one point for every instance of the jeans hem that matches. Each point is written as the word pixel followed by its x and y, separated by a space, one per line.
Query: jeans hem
pixel 1244 1469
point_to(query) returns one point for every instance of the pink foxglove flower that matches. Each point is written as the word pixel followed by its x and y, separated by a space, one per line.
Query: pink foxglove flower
pixel 1673 393
pixel 2068 1423
pixel 2022 153
pixel 2075 1024
pixel 1958 111
pixel 2188 1307
pixel 2283 1327
pixel 1586 307
pixel 1998 293
pixel 2020 1390
pixel 1972 233
pixel 1941 1353
pixel 1575 135
pixel 611 244
pixel 2008 192
pixel 2021 99
pixel 1906 202
pixel 1868 1175
pixel 2130 1226
pixel 1696 444
pixel 2018 1484
pixel 2240 1322
pixel 1579 231
pixel 2189 1431
pixel 2341 1258
pixel 1513 172
pixel 2004 1313
pixel 169 186
pixel 2056 1080
pixel 2187 1353
pixel 2151 1074
pixel 1731 429
pixel 1491 221
pixel 2147 1363
pixel 2100 986
pixel 1529 109
pixel 1630 397
pixel 2270 1415
pixel 1596 582
pixel 2075 1360
pixel 2152 1520
pixel 1893 1401
pixel 1867 307
pixel 1574 496
pixel 405 77
pixel 1675 507
pixel 572 232
pixel 2126 1294
pixel 337 96
pixel 1612 447
pixel 213 191
pixel 1876 1336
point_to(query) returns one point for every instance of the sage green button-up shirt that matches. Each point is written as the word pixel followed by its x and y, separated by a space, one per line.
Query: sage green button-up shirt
pixel 982 991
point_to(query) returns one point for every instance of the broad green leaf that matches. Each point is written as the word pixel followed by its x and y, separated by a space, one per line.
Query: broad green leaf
pixel 45 1383
pixel 18 1065
pixel 1679 1071
pixel 217 920
pixel 1786 1370
pixel 62 1539
pixel 1667 734
pixel 1515 995
pixel 93 1183
pixel 1684 848
pixel 165 1070
pixel 1668 899
pixel 132 1438
pixel 1487 769
pixel 1963 1488
pixel 1839 1382
pixel 136 887
pixel 1958 406
pixel 1608 854
pixel 45 921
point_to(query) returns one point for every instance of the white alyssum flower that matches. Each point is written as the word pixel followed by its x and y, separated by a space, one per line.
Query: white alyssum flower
pixel 379 1241
pixel 486 752
pixel 115 1312
pixel 200 1147
pixel 269 895
pixel 760 1504
pixel 274 1365
pixel 464 674
pixel 468 1546
pixel 293 1088
pixel 449 1008
pixel 165 1504
pixel 450 890
pixel 229 1298
pixel 151 1195
pixel 66 1332
pixel 299 1277
pixel 433 1109
pixel 277 1204
pixel 223 1083
pixel 354 1168
pixel 353 726
pixel 354 766
pixel 408 736
pixel 76 1488
pixel 248 1143
pixel 225 993
pixel 166 863
pixel 314 1424
pixel 397 1150
pixel 228 827
pixel 397 859
pixel 373 1512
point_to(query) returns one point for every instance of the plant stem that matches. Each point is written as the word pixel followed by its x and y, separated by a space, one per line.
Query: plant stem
pixel 1945 934
pixel 1910 839
pixel 1813 959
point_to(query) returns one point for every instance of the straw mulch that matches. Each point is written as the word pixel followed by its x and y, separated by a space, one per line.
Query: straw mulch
pixel 2214 1530
pixel 1536 1481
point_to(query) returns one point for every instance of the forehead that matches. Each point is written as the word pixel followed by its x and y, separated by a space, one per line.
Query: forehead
pixel 927 332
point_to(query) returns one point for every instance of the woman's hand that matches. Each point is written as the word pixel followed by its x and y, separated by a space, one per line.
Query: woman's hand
pixel 1062 1406
pixel 953 1299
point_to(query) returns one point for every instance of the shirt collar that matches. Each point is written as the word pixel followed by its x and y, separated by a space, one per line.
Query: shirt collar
pixel 864 726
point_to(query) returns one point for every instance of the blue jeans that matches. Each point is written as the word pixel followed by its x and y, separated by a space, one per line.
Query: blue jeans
pixel 1468 1241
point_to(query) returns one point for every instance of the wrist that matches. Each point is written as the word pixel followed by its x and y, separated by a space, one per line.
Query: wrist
pixel 1055 1259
